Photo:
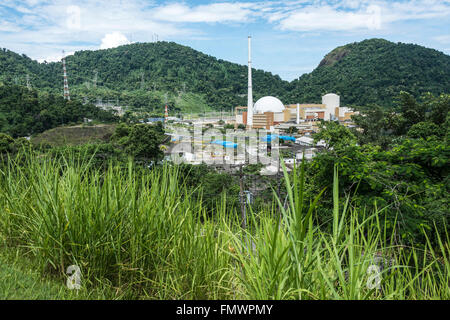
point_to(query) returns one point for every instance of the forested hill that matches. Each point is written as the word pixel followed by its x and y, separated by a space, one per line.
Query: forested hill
pixel 14 69
pixel 159 67
pixel 144 75
pixel 375 71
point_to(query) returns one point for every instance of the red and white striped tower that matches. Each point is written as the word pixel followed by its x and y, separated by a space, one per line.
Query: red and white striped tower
pixel 166 114
pixel 66 85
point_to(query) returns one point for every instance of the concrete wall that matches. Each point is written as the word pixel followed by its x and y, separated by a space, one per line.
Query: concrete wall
pixel 278 117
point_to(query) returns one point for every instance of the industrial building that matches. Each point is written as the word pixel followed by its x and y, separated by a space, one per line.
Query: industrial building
pixel 269 112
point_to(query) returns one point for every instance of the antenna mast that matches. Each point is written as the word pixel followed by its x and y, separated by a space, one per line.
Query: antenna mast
pixel 66 85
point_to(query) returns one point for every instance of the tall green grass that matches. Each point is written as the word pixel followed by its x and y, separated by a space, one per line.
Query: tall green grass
pixel 141 234
pixel 292 258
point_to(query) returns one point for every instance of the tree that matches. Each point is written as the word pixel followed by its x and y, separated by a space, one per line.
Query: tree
pixel 411 111
pixel 424 130
pixel 142 141
pixel 335 135
pixel 292 130
pixel 437 107
pixel 6 143
pixel 375 125
pixel 24 112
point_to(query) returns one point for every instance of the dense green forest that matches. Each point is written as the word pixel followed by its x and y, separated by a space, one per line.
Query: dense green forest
pixel 394 160
pixel 142 74
pixel 146 75
pixel 374 72
pixel 25 112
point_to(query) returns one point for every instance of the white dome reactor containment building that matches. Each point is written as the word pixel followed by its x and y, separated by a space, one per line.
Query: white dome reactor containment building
pixel 268 104
pixel 270 113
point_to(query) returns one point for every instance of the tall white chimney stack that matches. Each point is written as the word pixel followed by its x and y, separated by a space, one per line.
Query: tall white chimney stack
pixel 250 90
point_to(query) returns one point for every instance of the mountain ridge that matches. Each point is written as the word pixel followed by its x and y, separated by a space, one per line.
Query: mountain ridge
pixel 372 71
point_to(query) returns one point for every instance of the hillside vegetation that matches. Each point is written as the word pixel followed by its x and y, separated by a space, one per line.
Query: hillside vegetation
pixel 147 75
pixel 75 135
pixel 25 112
pixel 374 72
pixel 144 73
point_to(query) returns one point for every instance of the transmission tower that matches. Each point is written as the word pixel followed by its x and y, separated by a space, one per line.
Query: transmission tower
pixel 95 78
pixel 166 113
pixel 66 85
pixel 28 82
pixel 142 79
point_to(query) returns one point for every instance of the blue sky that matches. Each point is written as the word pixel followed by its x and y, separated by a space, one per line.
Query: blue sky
pixel 289 37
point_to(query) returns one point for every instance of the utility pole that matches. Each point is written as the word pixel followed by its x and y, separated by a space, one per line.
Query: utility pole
pixel 241 198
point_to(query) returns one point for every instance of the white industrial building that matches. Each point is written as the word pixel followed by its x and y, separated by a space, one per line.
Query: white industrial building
pixel 269 111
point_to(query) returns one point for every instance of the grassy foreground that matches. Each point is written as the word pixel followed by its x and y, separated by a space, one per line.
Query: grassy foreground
pixel 140 235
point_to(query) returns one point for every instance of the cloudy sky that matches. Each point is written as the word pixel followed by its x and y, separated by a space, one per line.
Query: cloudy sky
pixel 289 37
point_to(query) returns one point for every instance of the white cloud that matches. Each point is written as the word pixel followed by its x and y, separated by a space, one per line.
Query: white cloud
pixel 6 26
pixel 216 12
pixel 112 40
pixel 55 57
pixel 46 27
pixel 328 18
pixel 54 25
pixel 352 15
pixel 443 39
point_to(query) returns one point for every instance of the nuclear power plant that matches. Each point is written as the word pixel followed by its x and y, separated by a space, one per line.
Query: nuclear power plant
pixel 293 124
pixel 269 112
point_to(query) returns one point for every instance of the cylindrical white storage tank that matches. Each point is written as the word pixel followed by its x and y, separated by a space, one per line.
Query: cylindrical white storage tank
pixel 331 100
